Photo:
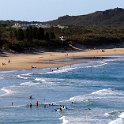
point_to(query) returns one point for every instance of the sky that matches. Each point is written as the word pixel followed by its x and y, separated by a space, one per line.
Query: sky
pixel 45 10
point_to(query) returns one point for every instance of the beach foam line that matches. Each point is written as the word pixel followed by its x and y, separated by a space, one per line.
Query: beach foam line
pixel 4 72
pixel 27 74
pixel 46 81
pixel 30 83
pixel 102 64
pixel 20 76
pixel 24 76
pixel 61 70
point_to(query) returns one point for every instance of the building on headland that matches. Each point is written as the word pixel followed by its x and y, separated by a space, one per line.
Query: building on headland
pixel 62 38
pixel 25 25
pixel 16 25
pixel 60 26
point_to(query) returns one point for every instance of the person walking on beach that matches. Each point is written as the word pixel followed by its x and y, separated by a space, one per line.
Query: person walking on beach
pixel 9 61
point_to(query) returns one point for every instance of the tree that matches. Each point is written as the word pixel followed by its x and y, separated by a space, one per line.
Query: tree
pixel 34 32
pixel 40 34
pixel 20 35
pixel 47 36
pixel 29 34
pixel 52 35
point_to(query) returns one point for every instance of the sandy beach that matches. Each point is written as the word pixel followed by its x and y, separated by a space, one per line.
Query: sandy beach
pixel 43 60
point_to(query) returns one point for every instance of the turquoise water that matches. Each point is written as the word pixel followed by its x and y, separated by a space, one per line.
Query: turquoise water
pixel 92 93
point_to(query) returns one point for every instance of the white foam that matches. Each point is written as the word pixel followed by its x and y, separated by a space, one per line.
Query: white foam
pixel 121 115
pixel 78 98
pixel 117 121
pixel 1 77
pixel 112 113
pixel 67 69
pixel 62 70
pixel 28 74
pixel 95 66
pixel 7 91
pixel 64 120
pixel 4 72
pixel 102 64
pixel 100 94
pixel 30 83
pixel 107 114
pixel 82 119
pixel 104 92
pixel 19 76
pixel 45 80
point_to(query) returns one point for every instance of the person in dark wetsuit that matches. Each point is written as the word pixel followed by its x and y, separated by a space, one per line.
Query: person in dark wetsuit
pixel 30 105
pixel 30 97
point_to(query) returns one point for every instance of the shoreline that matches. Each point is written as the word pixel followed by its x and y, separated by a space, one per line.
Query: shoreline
pixel 47 59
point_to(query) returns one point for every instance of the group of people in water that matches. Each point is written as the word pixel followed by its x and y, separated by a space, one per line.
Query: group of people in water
pixel 30 105
pixel 60 108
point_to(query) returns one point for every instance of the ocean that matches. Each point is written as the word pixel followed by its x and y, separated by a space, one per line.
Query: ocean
pixel 91 92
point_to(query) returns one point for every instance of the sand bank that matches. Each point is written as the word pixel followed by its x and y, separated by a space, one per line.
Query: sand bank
pixel 43 60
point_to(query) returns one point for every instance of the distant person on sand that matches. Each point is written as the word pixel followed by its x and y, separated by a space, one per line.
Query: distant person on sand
pixel 3 64
pixel 9 61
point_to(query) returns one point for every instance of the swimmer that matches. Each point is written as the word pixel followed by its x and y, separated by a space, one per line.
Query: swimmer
pixel 30 97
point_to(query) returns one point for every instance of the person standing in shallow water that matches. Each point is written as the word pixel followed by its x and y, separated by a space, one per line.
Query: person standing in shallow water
pixel 30 105
pixel 36 103
pixel 30 97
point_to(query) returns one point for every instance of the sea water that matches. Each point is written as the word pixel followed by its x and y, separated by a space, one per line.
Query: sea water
pixel 92 92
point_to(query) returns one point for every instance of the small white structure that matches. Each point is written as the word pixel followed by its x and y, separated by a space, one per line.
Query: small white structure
pixel 16 25
pixel 62 38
